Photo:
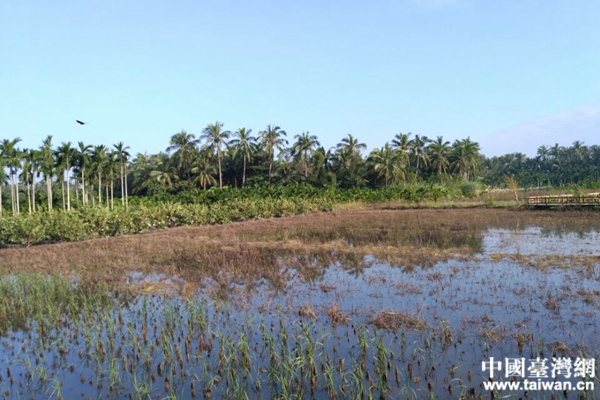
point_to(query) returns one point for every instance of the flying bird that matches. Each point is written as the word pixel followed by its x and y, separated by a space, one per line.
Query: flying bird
pixel 80 122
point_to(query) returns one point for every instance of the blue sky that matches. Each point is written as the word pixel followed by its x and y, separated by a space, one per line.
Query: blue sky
pixel 510 74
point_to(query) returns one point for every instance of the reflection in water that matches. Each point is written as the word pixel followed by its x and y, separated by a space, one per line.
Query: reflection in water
pixel 540 241
pixel 297 313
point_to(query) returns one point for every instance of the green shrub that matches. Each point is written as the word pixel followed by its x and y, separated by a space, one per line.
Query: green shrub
pixel 214 206
pixel 65 226
pixel 469 189
pixel 26 230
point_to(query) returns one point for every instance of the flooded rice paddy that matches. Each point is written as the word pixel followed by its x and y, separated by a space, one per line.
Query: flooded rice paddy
pixel 355 304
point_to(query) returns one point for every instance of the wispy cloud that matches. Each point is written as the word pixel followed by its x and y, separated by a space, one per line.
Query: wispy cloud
pixel 562 128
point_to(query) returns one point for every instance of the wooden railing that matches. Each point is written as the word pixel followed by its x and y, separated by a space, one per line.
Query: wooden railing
pixel 591 199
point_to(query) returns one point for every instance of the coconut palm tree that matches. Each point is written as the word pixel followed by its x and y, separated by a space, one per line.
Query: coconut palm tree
pixel 350 145
pixel 283 168
pixel 466 157
pixel 348 160
pixel 579 149
pixel 541 158
pixel 215 137
pixel 322 166
pixel 419 151
pixel 439 153
pixel 305 143
pixel 243 143
pixel 271 139
pixel 165 172
pixel 203 171
pixel 141 167
pixel 122 156
pixel 388 163
pixel 402 142
pixel 183 145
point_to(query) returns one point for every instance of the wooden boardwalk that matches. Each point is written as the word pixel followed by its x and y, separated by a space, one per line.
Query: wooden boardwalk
pixel 564 200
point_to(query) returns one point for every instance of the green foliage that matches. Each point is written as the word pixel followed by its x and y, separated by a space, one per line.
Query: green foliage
pixel 213 206
pixel 410 192
pixel 25 230
pixel 469 189
pixel 576 190
pixel 46 300
pixel 89 222
pixel 554 166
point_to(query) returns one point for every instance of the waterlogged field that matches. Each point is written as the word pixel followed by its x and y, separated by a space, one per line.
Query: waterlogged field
pixel 352 304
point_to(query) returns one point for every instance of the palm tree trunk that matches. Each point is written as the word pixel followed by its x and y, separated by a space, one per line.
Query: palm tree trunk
pixel 77 191
pixel 12 193
pixel 83 196
pixel 244 173
pixel 122 187
pixel 68 189
pixel 99 189
pixel 62 187
pixel 49 192
pixel 106 192
pixel 33 191
pixel 112 194
pixel 270 168
pixel 29 197
pixel 1 185
pixel 305 165
pixel 126 190
pixel 220 175
pixel 17 194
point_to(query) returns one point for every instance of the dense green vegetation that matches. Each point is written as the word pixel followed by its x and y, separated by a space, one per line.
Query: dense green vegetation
pixel 94 175
pixel 223 176
pixel 198 207
pixel 87 222
pixel 552 166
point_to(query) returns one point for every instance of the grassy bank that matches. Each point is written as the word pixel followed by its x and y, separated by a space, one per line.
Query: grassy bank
pixel 235 205
pixel 90 222
pixel 206 208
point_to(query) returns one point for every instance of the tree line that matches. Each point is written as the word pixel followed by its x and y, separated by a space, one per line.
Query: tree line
pixel 94 175
pixel 552 166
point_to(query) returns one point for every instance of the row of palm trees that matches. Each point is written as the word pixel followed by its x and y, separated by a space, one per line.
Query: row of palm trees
pixel 218 157
pixel 86 165
pixel 199 159
pixel 552 165
pixel 184 147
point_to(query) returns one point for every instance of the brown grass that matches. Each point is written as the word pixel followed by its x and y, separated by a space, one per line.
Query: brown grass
pixel 392 320
pixel 307 311
pixel 268 249
pixel 338 317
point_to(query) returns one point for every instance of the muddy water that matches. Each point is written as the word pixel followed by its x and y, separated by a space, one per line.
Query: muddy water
pixel 354 328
